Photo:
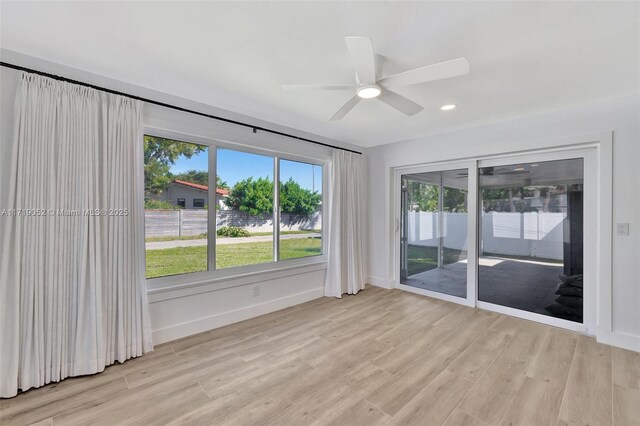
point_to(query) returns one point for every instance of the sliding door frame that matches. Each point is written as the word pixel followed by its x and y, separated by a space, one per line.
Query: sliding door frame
pixel 598 180
pixel 472 205
pixel 590 221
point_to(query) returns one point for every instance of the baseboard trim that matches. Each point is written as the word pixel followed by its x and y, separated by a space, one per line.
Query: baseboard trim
pixel 620 340
pixel 225 318
pixel 378 282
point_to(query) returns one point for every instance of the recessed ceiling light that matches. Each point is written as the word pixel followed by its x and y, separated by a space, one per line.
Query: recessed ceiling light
pixel 518 169
pixel 369 91
pixel 447 107
pixel 534 165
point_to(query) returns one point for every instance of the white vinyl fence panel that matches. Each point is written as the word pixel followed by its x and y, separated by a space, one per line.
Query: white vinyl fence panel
pixel 523 234
pixel 188 222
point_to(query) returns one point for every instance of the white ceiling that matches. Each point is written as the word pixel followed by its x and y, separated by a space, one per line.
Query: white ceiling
pixel 526 57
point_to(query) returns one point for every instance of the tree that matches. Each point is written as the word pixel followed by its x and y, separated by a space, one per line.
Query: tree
pixel 297 200
pixel 254 196
pixel 422 197
pixel 159 155
pixel 221 183
pixel 200 177
pixel 150 204
pixel 425 197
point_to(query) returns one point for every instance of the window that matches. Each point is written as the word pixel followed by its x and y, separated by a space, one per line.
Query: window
pixel 175 236
pixel 191 229
pixel 300 209
pixel 245 225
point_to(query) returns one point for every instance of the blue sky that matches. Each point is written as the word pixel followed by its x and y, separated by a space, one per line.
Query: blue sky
pixel 235 165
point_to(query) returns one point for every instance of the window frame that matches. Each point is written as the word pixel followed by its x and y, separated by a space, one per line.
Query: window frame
pixel 184 202
pixel 210 276
pixel 199 207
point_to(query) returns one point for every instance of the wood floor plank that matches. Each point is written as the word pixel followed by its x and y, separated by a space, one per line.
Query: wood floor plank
pixel 261 412
pixel 588 346
pixel 626 368
pixel 379 357
pixel 587 398
pixel 366 376
pixel 553 362
pixel 408 382
pixel 411 351
pixel 255 378
pixel 362 413
pixel 536 403
pixel 479 355
pixel 185 371
pixel 153 404
pixel 435 403
pixel 626 406
pixel 68 396
pixel 465 333
pixel 460 418
pixel 492 395
pixel 324 407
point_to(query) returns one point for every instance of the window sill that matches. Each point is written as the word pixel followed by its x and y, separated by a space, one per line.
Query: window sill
pixel 190 284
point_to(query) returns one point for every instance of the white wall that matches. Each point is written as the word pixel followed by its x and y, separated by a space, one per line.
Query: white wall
pixel 622 116
pixel 201 307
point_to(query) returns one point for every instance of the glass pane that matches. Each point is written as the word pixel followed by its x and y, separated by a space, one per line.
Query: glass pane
pixel 531 237
pixel 176 175
pixel 434 231
pixel 300 209
pixel 244 211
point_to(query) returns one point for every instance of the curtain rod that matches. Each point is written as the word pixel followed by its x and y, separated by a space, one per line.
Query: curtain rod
pixel 166 105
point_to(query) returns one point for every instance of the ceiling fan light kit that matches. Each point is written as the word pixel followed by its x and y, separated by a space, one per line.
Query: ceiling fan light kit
pixel 369 91
pixel 369 87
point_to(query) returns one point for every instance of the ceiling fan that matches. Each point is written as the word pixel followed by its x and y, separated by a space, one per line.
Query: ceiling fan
pixel 368 86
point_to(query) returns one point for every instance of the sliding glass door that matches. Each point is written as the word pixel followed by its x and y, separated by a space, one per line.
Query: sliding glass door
pixel 434 231
pixel 504 234
pixel 531 237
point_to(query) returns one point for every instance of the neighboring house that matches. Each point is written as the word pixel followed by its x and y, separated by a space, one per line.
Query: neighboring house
pixel 192 195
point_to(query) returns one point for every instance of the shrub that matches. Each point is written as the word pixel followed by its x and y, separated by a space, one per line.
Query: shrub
pixel 232 232
pixel 150 204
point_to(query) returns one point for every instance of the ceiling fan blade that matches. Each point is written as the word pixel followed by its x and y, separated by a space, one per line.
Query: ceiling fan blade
pixel 361 52
pixel 400 103
pixel 433 72
pixel 344 109
pixel 315 87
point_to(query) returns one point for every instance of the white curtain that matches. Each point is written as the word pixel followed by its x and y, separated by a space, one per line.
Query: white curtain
pixel 73 296
pixel 347 221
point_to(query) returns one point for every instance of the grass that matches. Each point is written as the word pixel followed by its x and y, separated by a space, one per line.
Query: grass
pixel 182 260
pixel 310 231
pixel 422 258
pixel 174 238
pixel 202 237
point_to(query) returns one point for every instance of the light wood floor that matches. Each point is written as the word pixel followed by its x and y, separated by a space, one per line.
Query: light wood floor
pixel 380 357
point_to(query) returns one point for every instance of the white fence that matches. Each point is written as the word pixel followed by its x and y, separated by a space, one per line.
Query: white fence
pixel 522 234
pixel 159 223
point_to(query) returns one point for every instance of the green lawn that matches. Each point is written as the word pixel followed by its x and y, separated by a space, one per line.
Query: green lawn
pixel 423 258
pixel 181 260
pixel 204 236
